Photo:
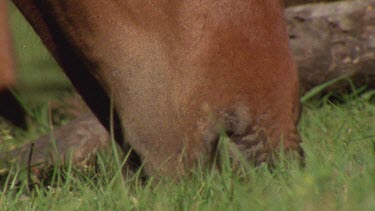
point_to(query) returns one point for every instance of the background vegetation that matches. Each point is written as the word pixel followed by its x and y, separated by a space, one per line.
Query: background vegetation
pixel 338 132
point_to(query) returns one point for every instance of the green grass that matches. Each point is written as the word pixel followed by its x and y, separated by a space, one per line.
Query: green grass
pixel 339 175
pixel 338 139
pixel 39 77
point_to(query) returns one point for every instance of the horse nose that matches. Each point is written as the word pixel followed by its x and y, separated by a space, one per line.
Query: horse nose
pixel 252 138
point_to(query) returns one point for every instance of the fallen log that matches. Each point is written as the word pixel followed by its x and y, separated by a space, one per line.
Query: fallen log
pixel 328 40
pixel 76 142
pixel 290 3
pixel 333 39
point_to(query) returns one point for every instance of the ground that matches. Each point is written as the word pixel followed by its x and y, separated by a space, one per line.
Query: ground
pixel 338 132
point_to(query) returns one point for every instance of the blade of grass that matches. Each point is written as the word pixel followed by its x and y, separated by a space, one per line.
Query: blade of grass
pixel 318 89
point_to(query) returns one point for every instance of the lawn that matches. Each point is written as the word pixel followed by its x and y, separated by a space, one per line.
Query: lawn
pixel 338 135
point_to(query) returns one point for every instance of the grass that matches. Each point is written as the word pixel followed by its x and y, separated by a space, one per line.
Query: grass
pixel 339 175
pixel 338 139
pixel 39 77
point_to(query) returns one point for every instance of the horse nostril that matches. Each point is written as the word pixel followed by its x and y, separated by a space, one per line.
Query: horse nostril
pixel 249 145
pixel 229 133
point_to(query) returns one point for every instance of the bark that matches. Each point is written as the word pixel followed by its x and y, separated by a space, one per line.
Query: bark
pixel 333 39
pixel 289 3
pixel 76 142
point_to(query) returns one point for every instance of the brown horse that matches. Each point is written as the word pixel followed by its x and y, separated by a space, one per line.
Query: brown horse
pixel 6 61
pixel 178 73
